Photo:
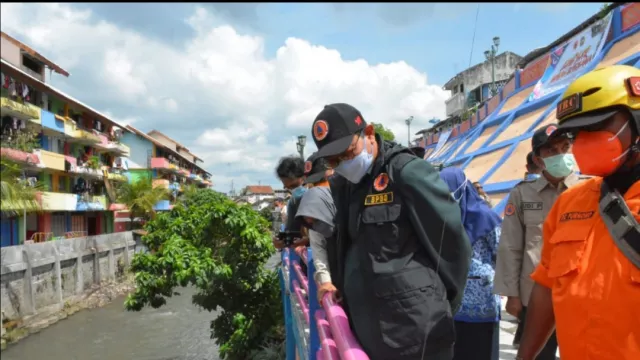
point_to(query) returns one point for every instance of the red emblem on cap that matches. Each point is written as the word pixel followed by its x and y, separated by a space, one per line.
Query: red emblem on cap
pixel 381 182
pixel 510 209
pixel 320 130
pixel 358 120
pixel 634 85
pixel 307 167
pixel 550 130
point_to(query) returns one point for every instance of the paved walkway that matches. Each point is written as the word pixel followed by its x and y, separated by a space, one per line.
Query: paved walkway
pixel 508 327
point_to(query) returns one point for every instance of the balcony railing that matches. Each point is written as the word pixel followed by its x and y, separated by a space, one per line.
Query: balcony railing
pixel 32 73
pixel 24 111
pixel 51 160
pixel 21 156
pixel 52 201
pixel 455 104
pixel 160 163
pixel 81 135
pixel 109 146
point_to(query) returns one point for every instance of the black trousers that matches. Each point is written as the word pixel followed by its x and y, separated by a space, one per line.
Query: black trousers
pixel 550 348
pixel 477 341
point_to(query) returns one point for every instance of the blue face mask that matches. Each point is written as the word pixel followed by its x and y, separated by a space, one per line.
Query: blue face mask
pixel 355 169
pixel 559 166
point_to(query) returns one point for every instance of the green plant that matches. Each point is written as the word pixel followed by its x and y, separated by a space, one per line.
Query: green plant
pixel 267 214
pixel 17 195
pixel 221 249
pixel 140 197
pixel 384 132
pixel 25 140
pixel 93 162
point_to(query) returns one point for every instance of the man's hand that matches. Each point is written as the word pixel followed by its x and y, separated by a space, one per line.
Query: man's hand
pixel 514 306
pixel 277 243
pixel 325 288
pixel 304 241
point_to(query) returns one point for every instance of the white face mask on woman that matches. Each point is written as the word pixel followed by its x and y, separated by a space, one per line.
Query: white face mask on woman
pixel 354 169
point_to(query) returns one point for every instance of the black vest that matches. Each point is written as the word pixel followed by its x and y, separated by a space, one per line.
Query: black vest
pixel 406 297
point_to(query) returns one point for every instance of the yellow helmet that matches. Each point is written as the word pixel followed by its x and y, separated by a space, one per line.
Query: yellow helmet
pixel 599 94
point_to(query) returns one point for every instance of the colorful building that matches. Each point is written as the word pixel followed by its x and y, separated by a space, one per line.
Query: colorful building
pixel 73 151
pixel 167 162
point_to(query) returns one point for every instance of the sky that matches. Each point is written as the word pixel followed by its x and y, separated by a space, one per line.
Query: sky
pixel 238 82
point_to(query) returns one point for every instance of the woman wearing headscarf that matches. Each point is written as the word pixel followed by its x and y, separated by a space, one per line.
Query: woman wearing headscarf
pixel 477 321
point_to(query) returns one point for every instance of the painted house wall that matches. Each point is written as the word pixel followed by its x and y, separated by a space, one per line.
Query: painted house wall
pixel 141 150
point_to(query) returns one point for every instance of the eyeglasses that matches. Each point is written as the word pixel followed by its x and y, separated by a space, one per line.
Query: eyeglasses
pixel 348 154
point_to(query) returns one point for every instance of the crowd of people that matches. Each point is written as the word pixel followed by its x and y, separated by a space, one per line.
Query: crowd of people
pixel 419 260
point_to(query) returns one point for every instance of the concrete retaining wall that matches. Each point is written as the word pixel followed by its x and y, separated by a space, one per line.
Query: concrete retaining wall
pixel 39 277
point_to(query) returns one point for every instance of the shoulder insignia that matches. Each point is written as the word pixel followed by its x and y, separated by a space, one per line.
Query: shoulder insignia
pixel 381 182
pixel 510 209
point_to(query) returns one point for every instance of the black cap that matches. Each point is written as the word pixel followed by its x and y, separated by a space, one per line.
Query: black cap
pixel 334 127
pixel 314 169
pixel 542 135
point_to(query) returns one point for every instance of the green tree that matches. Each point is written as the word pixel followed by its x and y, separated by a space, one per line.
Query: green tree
pixel 140 196
pixel 17 195
pixel 220 248
pixel 384 132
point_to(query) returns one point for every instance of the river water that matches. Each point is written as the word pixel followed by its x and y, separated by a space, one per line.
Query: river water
pixel 177 331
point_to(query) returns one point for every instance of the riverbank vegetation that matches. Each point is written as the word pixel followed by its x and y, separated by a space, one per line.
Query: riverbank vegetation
pixel 221 248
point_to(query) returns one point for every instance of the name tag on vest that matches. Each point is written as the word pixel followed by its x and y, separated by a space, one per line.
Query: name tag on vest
pixel 531 206
pixel 377 199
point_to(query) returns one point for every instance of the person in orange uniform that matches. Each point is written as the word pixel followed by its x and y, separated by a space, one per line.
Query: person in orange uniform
pixel 588 279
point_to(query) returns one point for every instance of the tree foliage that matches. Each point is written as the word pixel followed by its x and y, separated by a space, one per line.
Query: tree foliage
pixel 26 140
pixel 140 197
pixel 16 195
pixel 385 133
pixel 220 248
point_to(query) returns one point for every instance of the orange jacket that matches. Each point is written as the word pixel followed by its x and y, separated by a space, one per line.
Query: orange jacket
pixel 596 289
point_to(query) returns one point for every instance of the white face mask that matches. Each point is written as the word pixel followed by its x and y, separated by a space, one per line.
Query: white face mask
pixel 453 194
pixel 355 169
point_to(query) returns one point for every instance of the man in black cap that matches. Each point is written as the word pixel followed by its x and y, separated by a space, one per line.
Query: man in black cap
pixel 401 254
pixel 533 171
pixel 521 240
pixel 317 210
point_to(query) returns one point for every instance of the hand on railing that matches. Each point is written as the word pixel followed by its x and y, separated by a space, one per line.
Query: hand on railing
pixel 328 288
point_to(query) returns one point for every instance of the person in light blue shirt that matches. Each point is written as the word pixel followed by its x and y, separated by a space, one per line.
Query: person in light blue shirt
pixel 477 321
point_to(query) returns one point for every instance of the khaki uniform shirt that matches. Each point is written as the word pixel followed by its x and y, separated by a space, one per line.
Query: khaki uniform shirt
pixel 521 239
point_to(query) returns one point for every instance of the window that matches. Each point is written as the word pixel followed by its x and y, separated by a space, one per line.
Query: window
pixel 31 64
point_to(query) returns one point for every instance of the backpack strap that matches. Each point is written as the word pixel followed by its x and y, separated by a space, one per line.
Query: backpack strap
pixel 621 223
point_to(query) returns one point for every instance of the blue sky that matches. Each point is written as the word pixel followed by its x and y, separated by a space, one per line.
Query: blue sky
pixel 237 82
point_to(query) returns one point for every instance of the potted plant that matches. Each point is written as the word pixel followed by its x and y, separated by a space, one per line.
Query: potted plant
pixel 93 163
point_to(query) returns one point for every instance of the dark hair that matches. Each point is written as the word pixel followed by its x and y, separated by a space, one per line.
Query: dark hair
pixel 290 167
pixel 531 165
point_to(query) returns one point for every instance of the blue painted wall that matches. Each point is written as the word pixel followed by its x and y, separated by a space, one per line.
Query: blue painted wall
pixel 49 121
pixel 140 148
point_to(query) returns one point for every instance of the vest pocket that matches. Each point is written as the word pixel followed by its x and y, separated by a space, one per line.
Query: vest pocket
pixel 412 308
pixel 380 229
pixel 569 244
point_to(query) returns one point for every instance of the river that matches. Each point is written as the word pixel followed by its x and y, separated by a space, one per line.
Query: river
pixel 177 331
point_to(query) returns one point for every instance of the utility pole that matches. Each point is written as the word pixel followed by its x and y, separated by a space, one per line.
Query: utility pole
pixel 302 141
pixel 408 122
pixel 491 56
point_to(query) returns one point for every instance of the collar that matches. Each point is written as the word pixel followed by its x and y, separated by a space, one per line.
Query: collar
pixel 541 183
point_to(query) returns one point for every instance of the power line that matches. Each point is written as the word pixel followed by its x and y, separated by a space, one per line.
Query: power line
pixel 473 40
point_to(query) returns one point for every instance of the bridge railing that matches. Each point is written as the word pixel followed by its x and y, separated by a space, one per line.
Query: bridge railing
pixel 314 331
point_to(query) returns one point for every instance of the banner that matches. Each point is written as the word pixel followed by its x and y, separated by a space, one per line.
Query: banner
pixel 444 136
pixel 567 60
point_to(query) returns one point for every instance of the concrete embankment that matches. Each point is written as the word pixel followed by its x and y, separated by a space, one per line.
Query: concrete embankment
pixel 43 283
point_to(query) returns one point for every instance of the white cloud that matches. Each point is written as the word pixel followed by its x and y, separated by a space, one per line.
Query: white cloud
pixel 220 94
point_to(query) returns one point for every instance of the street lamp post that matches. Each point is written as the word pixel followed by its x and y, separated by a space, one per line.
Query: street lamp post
pixel 408 122
pixel 491 56
pixel 302 141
